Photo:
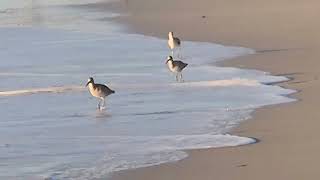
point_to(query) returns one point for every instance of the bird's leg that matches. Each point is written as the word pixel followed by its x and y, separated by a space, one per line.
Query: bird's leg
pixel 177 78
pixel 104 103
pixel 179 53
pixel 181 78
pixel 99 104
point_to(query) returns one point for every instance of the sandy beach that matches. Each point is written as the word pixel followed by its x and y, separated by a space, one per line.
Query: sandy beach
pixel 285 35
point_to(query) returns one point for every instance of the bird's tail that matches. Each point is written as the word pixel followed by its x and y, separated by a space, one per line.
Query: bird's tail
pixel 185 65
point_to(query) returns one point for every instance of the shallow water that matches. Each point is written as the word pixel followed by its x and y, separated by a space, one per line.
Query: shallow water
pixel 50 126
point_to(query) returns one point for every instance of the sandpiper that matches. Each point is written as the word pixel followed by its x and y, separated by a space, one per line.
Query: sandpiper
pixel 100 91
pixel 176 67
pixel 173 42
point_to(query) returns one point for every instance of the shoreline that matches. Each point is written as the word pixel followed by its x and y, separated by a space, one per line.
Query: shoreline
pixel 282 153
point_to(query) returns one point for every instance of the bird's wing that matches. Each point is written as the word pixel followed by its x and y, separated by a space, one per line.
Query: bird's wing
pixel 180 64
pixel 102 88
pixel 108 89
pixel 178 41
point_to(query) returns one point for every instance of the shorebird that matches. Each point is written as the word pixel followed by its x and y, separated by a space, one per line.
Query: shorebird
pixel 173 42
pixel 176 67
pixel 100 91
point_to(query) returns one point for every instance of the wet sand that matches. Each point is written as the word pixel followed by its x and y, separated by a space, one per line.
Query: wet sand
pixel 286 36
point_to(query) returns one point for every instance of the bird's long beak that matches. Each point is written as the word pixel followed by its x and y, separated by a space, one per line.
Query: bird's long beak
pixel 88 83
pixel 167 61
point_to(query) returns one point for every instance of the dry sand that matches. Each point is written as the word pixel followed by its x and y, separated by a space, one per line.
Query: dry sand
pixel 286 34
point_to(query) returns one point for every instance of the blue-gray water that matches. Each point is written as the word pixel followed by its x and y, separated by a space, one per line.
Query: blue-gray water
pixel 49 123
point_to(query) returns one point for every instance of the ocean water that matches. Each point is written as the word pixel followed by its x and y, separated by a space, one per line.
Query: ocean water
pixel 50 127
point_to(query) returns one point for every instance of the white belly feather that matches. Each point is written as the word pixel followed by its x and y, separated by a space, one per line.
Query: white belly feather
pixel 171 43
pixel 95 92
pixel 171 67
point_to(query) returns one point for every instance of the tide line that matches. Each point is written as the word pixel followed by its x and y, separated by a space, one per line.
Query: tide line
pixel 42 90
pixel 221 83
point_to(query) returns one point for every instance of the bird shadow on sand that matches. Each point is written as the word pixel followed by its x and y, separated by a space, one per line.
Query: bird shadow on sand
pixel 97 114
pixel 102 114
